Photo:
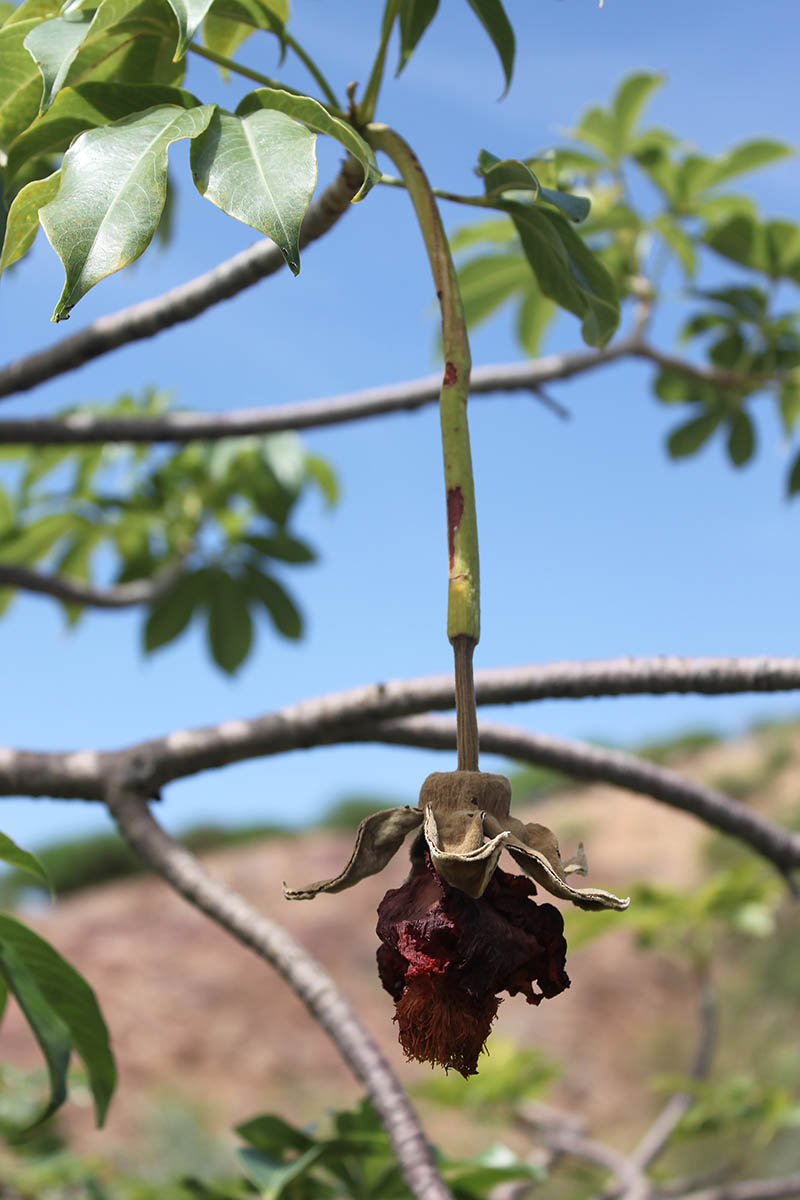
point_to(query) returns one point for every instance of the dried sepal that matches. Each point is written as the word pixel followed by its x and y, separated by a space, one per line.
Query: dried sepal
pixel 378 839
pixel 535 849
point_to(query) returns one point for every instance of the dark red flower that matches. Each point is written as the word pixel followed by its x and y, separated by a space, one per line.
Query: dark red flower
pixel 445 957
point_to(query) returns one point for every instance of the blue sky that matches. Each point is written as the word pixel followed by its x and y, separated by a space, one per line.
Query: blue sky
pixel 593 543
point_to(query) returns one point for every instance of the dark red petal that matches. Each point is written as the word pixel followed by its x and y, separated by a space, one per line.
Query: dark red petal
pixel 445 957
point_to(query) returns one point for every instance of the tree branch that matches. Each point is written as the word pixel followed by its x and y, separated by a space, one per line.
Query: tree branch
pixel 85 429
pixel 564 1139
pixel 304 975
pixel 751 1189
pixel 181 303
pixel 595 764
pixel 330 719
pixel 71 591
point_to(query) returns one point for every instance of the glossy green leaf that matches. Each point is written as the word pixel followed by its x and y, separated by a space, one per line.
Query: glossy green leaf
pixel 749 156
pixel 793 484
pixel 53 46
pixel 311 114
pixel 47 1027
pixel 260 169
pixel 741 439
pixel 88 106
pixel 114 182
pixel 20 82
pixel 415 17
pixel 230 627
pixel 172 612
pixel 224 36
pixel 566 270
pixel 189 14
pixel 70 997
pixel 504 175
pixel 15 856
pixel 282 547
pixel 492 16
pixel 631 97
pixel 230 22
pixel 687 439
pixel 284 613
pixel 23 217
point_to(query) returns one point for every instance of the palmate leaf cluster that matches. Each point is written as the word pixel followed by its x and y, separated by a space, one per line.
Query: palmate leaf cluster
pixel 659 208
pixel 210 523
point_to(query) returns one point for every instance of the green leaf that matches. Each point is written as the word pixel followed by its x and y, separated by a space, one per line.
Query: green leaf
pixel 12 854
pixel 260 169
pixel 793 486
pixel 535 314
pixel 790 405
pixel 273 1136
pixel 273 1178
pixel 687 439
pixel 321 473
pixel 32 542
pixel 284 613
pixel 224 36
pixel 114 182
pixel 741 439
pixel 415 17
pixel 47 1027
pixel 576 208
pixel 230 627
pixel 504 175
pixel 87 106
pixel 492 16
pixel 282 547
pixel 487 282
pixel 20 81
pixel 311 113
pixel 678 242
pixel 597 128
pixel 566 270
pixel 728 351
pixel 749 156
pixel 782 250
pixel 69 995
pixel 631 97
pixel 53 46
pixel 735 238
pixel 23 217
pixel 172 612
pixel 748 302
pixel 189 15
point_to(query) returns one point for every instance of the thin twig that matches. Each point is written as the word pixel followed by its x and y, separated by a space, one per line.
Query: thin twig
pixel 181 303
pixel 305 977
pixel 751 1189
pixel 566 1140
pixel 72 591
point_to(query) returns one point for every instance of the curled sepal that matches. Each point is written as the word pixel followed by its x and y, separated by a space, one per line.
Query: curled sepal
pixel 535 849
pixel 459 852
pixel 378 838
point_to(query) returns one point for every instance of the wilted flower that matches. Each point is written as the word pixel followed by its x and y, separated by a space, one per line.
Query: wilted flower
pixel 459 930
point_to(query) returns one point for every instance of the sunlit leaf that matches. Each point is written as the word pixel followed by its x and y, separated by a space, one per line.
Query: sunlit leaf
pixel 23 217
pixel 631 97
pixel 487 282
pixel 189 15
pixel 260 169
pixel 749 156
pixel 23 860
pixel 20 82
pixel 311 114
pixel 112 192
pixel 53 45
pixel 534 315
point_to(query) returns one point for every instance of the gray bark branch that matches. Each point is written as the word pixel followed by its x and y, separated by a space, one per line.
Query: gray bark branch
pixel 72 591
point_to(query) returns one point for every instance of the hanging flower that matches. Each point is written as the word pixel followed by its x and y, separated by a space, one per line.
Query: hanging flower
pixel 459 930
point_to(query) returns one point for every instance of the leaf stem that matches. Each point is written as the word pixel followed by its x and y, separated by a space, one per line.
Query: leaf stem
pixel 314 71
pixel 463 615
pixel 366 109
pixel 238 69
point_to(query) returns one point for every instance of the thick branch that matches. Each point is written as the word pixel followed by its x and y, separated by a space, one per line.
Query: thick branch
pixel 305 977
pixel 181 303
pixel 337 716
pixel 124 595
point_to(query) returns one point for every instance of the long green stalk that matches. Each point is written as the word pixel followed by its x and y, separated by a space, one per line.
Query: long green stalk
pixel 463 609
